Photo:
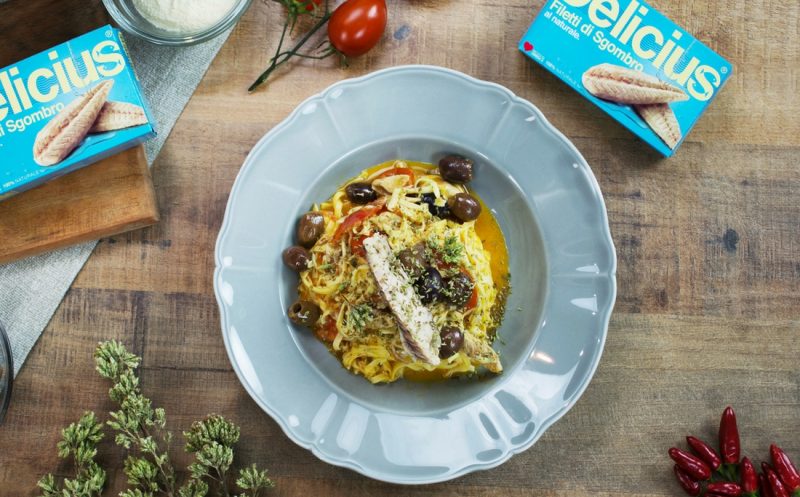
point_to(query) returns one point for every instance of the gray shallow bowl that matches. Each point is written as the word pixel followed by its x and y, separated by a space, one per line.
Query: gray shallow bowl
pixel 562 264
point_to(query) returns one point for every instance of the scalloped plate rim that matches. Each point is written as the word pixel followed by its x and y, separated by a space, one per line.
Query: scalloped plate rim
pixel 604 318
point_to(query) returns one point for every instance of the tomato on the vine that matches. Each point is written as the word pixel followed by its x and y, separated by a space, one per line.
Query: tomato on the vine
pixel 356 26
pixel 307 5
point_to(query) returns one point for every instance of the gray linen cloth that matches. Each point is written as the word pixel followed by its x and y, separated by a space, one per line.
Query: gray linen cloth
pixel 31 289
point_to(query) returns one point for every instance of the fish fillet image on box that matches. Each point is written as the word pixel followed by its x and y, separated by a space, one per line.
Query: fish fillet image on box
pixel 68 107
pixel 638 66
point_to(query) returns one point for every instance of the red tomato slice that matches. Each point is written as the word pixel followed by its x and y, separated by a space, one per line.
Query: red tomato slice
pixel 355 219
pixel 396 171
pixel 473 299
pixel 357 245
pixel 328 331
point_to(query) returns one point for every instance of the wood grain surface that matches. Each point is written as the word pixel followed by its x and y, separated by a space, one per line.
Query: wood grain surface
pixel 708 245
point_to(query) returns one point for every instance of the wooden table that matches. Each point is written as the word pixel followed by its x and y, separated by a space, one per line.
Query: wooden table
pixel 708 245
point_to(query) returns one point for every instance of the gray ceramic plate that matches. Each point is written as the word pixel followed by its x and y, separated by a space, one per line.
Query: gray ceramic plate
pixel 562 263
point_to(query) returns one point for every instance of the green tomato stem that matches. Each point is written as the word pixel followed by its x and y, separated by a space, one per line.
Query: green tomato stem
pixel 285 56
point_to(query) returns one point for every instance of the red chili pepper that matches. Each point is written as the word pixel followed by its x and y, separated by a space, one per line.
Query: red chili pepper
pixel 724 488
pixel 689 485
pixel 704 452
pixel 692 465
pixel 729 437
pixel 763 486
pixel 749 477
pixel 785 469
pixel 775 483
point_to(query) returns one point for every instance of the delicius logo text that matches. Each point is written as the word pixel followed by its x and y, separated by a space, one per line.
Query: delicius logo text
pixel 629 28
pixel 21 92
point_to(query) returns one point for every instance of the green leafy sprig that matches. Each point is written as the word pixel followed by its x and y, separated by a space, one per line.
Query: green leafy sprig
pixel 79 441
pixel 294 10
pixel 141 430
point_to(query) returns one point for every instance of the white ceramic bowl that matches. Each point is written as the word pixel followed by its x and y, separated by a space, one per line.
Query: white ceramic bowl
pixel 562 263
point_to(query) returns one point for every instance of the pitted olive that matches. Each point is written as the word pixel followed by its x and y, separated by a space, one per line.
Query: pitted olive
pixel 304 313
pixel 456 169
pixel 310 227
pixel 297 258
pixel 360 193
pixel 452 341
pixel 464 206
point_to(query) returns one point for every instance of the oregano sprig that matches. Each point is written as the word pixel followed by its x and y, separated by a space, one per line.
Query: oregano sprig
pixel 79 441
pixel 140 429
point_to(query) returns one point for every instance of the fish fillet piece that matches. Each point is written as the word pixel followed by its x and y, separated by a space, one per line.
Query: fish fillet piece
pixel 662 121
pixel 118 115
pixel 69 127
pixel 477 349
pixel 418 331
pixel 626 86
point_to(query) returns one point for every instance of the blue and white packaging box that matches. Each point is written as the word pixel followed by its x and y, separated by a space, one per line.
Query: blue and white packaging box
pixel 631 61
pixel 68 107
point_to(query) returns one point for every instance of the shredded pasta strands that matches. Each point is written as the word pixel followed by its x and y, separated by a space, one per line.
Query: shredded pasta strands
pixel 356 321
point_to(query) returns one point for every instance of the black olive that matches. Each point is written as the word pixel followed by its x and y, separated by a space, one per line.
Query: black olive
pixel 464 206
pixel 456 169
pixel 296 257
pixel 310 227
pixel 435 210
pixel 429 286
pixel 360 193
pixel 413 260
pixel 304 313
pixel 452 341
pixel 458 289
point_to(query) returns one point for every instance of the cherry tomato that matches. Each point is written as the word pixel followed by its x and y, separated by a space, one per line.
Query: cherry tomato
pixel 397 171
pixel 308 5
pixel 357 25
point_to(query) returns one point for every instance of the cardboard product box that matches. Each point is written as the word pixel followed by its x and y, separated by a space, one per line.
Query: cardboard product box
pixel 641 68
pixel 68 107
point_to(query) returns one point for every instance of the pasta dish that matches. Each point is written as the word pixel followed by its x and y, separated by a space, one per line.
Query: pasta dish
pixel 403 273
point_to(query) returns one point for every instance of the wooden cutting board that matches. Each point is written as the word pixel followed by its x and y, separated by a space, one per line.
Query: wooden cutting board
pixel 106 198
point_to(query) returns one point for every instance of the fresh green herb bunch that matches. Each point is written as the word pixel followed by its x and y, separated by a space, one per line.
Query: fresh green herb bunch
pixel 141 429
pixel 79 440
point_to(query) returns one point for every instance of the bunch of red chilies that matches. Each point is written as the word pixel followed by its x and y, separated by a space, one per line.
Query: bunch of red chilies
pixel 703 472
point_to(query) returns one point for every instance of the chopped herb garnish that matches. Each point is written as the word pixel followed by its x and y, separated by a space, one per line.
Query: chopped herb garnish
pixel 451 251
pixel 360 315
